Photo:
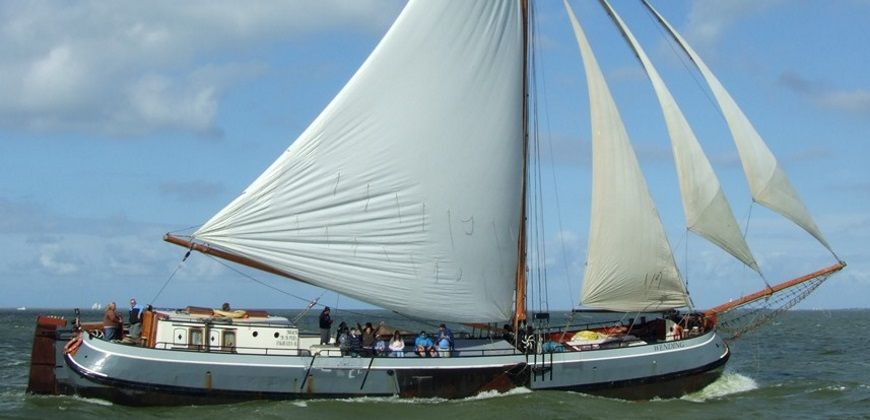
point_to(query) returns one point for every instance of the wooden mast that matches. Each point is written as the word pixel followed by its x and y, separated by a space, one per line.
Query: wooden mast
pixel 520 309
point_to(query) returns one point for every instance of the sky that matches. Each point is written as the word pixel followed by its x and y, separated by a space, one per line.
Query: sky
pixel 121 121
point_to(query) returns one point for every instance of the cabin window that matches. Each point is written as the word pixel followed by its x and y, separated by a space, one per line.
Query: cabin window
pixel 179 336
pixel 229 341
pixel 196 338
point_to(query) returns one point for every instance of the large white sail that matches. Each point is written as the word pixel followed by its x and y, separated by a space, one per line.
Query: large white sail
pixel 629 266
pixel 706 209
pixel 767 181
pixel 405 192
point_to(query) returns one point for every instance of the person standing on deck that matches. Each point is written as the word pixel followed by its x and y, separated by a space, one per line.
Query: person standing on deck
pixel 112 323
pixel 135 318
pixel 444 341
pixel 325 326
pixel 445 333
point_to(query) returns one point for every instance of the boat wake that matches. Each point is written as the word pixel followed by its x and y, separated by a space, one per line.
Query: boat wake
pixel 729 383
pixel 95 401
pixel 495 394
pixel 486 395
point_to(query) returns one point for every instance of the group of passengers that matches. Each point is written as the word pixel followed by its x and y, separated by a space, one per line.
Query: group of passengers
pixel 359 341
pixel 113 321
pixel 365 341
pixel 442 345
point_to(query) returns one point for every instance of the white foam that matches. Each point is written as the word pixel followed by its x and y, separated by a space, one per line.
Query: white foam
pixel 485 395
pixel 729 383
pixel 838 388
pixel 435 400
pixel 95 401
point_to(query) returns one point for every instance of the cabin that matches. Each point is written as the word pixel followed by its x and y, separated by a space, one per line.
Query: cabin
pixel 211 330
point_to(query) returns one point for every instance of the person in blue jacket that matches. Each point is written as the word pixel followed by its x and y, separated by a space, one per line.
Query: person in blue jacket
pixel 423 345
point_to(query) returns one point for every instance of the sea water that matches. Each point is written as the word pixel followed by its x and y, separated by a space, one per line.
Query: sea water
pixel 807 364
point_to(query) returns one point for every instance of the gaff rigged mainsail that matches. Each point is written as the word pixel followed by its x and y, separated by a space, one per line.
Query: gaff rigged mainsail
pixel 405 191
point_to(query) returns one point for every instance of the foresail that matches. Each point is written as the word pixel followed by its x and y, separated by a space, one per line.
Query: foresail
pixel 629 265
pixel 405 192
pixel 706 209
pixel 767 181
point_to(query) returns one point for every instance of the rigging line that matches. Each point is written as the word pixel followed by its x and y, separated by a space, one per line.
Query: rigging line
pixel 746 232
pixel 185 229
pixel 250 277
pixel 536 57
pixel 539 95
pixel 669 39
pixel 305 311
pixel 686 260
pixel 426 322
pixel 166 283
pixel 531 224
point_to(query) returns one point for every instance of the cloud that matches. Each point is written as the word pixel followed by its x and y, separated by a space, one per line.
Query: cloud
pixel 709 20
pixel 856 102
pixel 58 261
pixel 127 69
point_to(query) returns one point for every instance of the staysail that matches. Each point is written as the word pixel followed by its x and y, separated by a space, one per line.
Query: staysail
pixel 629 264
pixel 405 191
pixel 767 180
pixel 706 209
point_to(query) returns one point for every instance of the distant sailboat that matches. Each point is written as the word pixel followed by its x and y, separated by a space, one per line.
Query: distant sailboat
pixel 409 192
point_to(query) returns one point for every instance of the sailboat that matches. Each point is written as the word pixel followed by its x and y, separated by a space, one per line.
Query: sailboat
pixel 410 192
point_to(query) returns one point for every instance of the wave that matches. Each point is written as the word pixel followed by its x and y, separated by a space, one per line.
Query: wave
pixel 728 384
pixel 485 395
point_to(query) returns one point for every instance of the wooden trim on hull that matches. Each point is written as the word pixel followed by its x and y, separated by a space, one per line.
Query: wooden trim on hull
pixel 672 385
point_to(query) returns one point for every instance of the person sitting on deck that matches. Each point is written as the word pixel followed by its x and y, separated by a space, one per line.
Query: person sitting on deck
pixel 380 347
pixel 397 345
pixel 355 347
pixel 423 345
pixel 444 332
pixel 677 330
pixel 369 335
pixel 342 337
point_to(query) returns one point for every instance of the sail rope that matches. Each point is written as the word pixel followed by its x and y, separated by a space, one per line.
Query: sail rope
pixel 749 312
pixel 684 60
pixel 171 276
pixel 309 302
pixel 738 321
pixel 746 232
pixel 542 97
pixel 537 247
